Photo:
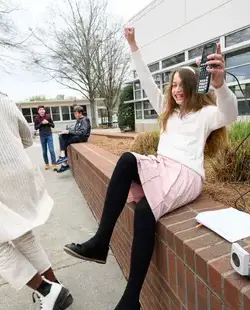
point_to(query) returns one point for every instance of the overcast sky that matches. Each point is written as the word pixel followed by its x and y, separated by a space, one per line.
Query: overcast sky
pixel 22 84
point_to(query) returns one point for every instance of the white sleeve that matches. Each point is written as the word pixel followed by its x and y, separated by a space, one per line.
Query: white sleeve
pixel 24 129
pixel 151 89
pixel 226 110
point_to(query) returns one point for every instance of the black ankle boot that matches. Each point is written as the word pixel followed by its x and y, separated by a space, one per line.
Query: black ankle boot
pixel 89 251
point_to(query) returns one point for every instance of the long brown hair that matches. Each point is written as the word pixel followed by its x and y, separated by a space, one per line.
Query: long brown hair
pixel 218 139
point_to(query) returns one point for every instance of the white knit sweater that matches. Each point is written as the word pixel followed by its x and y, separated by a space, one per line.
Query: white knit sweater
pixel 185 138
pixel 24 202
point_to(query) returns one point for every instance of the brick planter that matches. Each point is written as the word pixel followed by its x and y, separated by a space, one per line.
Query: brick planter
pixel 190 268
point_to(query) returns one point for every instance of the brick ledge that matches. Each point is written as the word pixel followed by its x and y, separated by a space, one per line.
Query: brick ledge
pixel 190 268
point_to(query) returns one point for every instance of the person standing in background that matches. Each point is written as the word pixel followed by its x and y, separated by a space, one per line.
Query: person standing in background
pixel 44 123
pixel 24 205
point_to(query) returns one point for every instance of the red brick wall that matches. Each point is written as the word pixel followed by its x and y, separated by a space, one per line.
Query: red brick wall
pixel 190 268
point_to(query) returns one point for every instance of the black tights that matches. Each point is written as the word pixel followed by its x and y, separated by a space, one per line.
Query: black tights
pixel 144 228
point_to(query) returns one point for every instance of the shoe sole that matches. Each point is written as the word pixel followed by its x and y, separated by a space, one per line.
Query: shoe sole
pixel 61 299
pixel 61 161
pixel 68 302
pixel 58 171
pixel 74 254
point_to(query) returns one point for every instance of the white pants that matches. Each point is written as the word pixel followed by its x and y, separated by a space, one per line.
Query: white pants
pixel 21 260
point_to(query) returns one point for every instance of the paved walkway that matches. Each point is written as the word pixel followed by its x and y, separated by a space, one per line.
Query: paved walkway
pixel 94 286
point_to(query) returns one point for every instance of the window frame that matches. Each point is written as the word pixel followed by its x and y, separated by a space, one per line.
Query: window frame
pixel 28 115
pixel 235 33
pixel 173 63
pixel 150 108
pixel 138 110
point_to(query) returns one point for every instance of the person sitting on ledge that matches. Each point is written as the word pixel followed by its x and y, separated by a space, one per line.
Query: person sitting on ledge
pixel 80 133
pixel 170 180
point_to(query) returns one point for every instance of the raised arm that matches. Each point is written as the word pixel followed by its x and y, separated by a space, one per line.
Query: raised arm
pixel 151 89
pixel 226 110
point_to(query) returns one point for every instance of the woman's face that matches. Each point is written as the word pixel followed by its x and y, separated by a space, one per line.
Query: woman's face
pixel 177 89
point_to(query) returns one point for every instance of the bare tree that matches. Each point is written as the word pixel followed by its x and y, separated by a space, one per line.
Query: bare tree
pixel 113 65
pixel 9 35
pixel 69 53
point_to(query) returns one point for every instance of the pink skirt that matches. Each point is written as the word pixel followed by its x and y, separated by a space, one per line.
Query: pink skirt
pixel 167 184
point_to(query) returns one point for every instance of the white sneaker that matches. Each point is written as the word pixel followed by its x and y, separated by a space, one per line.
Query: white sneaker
pixel 54 300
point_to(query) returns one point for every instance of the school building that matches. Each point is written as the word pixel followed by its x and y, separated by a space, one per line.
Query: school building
pixel 61 111
pixel 171 34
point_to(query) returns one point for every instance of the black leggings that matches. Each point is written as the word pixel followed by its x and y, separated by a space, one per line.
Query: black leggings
pixel 66 140
pixel 144 228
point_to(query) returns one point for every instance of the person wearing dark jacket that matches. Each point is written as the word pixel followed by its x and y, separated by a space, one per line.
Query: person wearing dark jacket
pixel 80 133
pixel 43 122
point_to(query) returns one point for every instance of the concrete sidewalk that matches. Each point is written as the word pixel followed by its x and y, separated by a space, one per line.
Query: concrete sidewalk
pixel 94 286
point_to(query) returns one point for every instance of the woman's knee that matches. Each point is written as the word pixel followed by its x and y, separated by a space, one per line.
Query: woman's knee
pixel 128 158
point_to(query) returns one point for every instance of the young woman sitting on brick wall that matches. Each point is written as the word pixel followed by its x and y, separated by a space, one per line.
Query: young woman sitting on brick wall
pixel 191 123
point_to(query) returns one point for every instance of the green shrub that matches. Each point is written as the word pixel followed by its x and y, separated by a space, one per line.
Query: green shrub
pixel 239 131
pixel 126 113
pixel 146 143
pixel 233 164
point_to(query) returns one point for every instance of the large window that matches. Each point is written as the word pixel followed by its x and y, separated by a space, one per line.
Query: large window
pixel 55 114
pixel 165 79
pixel 197 51
pixel 27 114
pixel 149 112
pixel 65 113
pixel 154 67
pixel 157 78
pixel 72 115
pixel 238 63
pixel 137 90
pixel 34 113
pixel 237 37
pixel 138 110
pixel 144 110
pixel 243 104
pixel 174 60
pixel 241 72
pixel 238 58
pixel 245 88
pixel 244 107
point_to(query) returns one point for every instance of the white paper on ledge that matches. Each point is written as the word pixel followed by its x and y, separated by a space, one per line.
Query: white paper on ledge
pixel 231 224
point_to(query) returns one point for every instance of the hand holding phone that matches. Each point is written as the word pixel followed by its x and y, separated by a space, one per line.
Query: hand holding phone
pixel 216 67
pixel 212 68
pixel 204 77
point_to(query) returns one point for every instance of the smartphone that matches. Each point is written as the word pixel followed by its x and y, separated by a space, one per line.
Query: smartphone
pixel 204 76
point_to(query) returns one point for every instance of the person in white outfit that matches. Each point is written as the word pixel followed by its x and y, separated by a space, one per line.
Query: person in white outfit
pixel 24 205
